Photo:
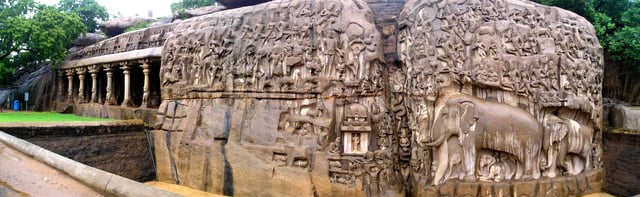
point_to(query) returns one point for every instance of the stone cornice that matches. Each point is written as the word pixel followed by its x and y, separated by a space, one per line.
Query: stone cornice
pixel 149 53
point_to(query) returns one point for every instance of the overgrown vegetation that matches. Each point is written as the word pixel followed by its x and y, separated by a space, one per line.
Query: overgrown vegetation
pixel 44 117
pixel 141 25
pixel 617 24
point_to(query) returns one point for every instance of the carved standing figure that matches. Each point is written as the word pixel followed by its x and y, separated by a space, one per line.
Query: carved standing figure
pixel 329 50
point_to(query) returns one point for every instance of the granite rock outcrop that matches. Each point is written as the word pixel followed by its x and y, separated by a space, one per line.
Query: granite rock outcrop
pixel 326 98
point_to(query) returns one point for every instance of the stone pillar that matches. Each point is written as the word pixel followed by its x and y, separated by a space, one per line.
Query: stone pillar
pixel 126 102
pixel 109 97
pixel 145 94
pixel 60 86
pixel 81 72
pixel 70 87
pixel 93 69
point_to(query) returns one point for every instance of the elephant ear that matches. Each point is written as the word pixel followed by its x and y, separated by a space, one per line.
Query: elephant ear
pixel 468 116
pixel 560 132
pixel 557 131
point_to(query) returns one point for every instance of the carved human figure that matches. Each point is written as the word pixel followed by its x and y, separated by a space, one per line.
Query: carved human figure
pixel 329 48
pixel 405 143
pixel 211 61
pixel 355 142
pixel 171 75
pixel 372 183
pixel 334 147
pixel 513 42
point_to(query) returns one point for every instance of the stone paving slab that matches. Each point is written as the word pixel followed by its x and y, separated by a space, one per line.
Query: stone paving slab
pixel 21 175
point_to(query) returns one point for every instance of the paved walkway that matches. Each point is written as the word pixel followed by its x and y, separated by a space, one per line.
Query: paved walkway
pixel 21 175
pixel 179 189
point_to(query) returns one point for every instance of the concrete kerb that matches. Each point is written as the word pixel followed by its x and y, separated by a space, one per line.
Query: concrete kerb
pixel 104 182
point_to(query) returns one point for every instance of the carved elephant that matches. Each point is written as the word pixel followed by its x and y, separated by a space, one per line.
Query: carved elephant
pixel 482 124
pixel 447 153
pixel 563 137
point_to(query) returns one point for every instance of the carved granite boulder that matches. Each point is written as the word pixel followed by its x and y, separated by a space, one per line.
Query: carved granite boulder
pixel 198 12
pixel 295 98
pixel 231 4
pixel 88 39
pixel 627 117
pixel 542 61
pixel 116 26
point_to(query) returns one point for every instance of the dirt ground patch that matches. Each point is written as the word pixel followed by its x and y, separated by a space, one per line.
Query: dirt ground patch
pixel 21 175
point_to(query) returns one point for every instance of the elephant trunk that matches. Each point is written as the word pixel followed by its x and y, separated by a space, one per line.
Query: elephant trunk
pixel 438 141
pixel 549 158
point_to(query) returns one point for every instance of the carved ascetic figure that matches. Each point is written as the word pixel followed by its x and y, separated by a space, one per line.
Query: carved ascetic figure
pixel 481 124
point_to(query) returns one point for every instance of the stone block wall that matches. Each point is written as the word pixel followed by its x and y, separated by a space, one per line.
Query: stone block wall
pixel 621 161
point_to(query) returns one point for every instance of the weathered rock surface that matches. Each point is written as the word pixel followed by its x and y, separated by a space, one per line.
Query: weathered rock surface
pixel 627 117
pixel 116 26
pixel 607 105
pixel 36 79
pixel 199 11
pixel 307 98
pixel 88 39
pixel 162 21
pixel 231 4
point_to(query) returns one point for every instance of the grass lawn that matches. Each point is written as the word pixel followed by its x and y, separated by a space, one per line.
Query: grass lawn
pixel 44 117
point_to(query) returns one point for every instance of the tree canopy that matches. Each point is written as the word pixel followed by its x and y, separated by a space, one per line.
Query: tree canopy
pixel 89 11
pixel 617 25
pixel 32 32
pixel 182 5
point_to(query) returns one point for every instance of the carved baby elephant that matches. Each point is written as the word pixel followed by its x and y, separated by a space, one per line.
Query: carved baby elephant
pixel 489 125
pixel 563 137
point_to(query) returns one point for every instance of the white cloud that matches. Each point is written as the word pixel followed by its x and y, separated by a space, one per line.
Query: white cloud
pixel 131 7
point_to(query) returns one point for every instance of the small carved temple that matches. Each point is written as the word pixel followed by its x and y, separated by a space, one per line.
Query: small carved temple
pixel 361 98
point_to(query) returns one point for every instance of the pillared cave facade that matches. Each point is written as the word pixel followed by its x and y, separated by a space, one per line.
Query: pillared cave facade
pixel 308 98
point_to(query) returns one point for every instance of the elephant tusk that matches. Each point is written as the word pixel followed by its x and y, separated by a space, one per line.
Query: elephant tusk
pixel 437 142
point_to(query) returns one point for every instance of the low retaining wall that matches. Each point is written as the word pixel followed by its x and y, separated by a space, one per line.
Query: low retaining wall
pixel 621 162
pixel 148 115
pixel 120 147
pixel 103 182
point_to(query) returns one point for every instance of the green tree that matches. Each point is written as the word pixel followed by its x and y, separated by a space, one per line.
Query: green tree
pixel 580 7
pixel 89 11
pixel 182 5
pixel 31 32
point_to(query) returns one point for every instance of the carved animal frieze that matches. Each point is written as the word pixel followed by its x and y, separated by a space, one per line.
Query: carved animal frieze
pixel 530 63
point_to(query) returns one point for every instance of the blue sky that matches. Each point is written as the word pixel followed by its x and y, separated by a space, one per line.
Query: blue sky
pixel 131 7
